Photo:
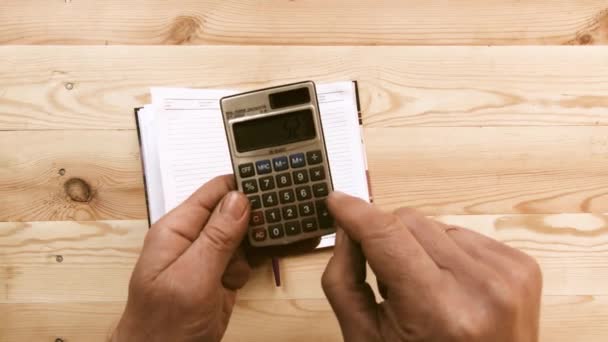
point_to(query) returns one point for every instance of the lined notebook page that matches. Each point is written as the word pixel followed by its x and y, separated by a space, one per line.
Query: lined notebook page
pixel 193 149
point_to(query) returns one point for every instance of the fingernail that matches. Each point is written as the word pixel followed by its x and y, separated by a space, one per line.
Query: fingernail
pixel 234 205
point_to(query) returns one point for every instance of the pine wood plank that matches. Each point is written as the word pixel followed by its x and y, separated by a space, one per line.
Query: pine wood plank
pixel 441 170
pixel 308 22
pixel 489 170
pixel 70 175
pixel 97 87
pixel 564 319
pixel 97 258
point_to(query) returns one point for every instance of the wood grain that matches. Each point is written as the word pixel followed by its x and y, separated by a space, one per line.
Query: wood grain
pixel 70 175
pixel 97 258
pixel 97 88
pixel 305 22
pixel 562 318
pixel 441 170
pixel 468 170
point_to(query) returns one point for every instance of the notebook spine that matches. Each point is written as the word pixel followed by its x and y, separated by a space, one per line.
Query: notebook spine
pixel 141 159
pixel 360 117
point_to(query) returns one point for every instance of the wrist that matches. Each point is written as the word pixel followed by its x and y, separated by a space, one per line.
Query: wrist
pixel 127 331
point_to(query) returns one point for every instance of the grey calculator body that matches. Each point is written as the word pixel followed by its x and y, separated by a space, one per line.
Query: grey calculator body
pixel 279 158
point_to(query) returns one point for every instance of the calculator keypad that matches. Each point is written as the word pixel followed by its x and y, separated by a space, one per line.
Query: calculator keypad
pixel 283 180
pixel 266 183
pixel 288 196
pixel 270 199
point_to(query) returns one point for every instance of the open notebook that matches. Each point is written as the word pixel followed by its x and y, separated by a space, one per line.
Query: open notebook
pixel 183 143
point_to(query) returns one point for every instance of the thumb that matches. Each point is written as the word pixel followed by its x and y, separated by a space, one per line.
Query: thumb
pixel 351 298
pixel 220 237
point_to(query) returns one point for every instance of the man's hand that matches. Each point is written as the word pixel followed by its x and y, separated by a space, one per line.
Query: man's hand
pixel 439 283
pixel 184 285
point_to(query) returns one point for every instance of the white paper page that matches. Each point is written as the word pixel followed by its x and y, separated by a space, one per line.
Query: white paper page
pixel 193 147
pixel 151 165
pixel 192 142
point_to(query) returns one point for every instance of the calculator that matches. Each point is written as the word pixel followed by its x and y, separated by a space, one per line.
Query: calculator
pixel 278 153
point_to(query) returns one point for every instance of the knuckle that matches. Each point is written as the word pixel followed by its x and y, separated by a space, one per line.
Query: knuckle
pixel 219 239
pixel 502 296
pixel 466 327
pixel 330 278
pixel 391 224
pixel 408 214
pixel 529 274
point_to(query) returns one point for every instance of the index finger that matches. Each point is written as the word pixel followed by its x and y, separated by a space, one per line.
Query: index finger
pixel 389 247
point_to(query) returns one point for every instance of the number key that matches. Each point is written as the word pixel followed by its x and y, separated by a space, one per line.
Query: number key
pixel 300 177
pixel 250 186
pixel 286 196
pixel 273 215
pixel 276 231
pixel 290 212
pixel 303 193
pixel 320 189
pixel 306 209
pixel 283 180
pixel 266 183
pixel 270 199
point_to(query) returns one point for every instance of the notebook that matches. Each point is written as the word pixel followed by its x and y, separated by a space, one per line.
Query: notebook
pixel 183 143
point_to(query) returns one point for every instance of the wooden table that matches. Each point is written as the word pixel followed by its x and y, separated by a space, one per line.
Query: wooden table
pixel 511 141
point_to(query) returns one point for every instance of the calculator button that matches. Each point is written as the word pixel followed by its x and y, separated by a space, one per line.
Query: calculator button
pixel 280 163
pixel 303 193
pixel 283 180
pixel 263 166
pixel 258 234
pixel 307 209
pixel 250 186
pixel 320 189
pixel 266 183
pixel 286 196
pixel 254 201
pixel 290 212
pixel 317 173
pixel 292 228
pixel 314 157
pixel 325 219
pixel 256 219
pixel 270 199
pixel 273 215
pixel 309 224
pixel 300 177
pixel 275 231
pixel 297 160
pixel 246 170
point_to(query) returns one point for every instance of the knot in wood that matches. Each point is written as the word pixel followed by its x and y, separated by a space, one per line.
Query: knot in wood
pixel 184 29
pixel 78 190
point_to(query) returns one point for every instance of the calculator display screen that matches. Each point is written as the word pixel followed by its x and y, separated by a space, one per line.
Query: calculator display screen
pixel 274 130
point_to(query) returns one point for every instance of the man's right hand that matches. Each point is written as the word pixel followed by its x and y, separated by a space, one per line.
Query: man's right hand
pixel 439 283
